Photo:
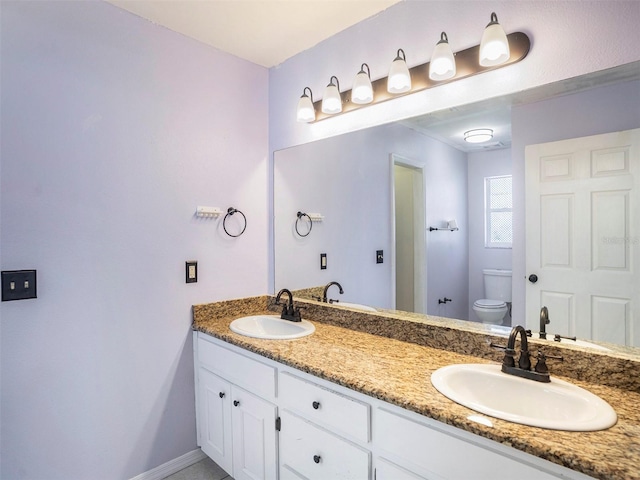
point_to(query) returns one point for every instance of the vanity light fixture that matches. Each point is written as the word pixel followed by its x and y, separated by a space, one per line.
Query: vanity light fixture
pixel 332 102
pixel 362 91
pixel 442 65
pixel 496 50
pixel 478 135
pixel 399 80
pixel 494 46
pixel 306 111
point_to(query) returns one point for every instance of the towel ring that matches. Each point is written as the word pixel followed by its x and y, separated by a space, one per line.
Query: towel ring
pixel 300 215
pixel 231 211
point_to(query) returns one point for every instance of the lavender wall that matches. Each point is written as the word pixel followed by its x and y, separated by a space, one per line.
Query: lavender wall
pixel 113 131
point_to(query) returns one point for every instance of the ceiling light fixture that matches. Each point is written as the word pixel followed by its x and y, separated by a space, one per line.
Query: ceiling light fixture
pixel 362 92
pixel 442 65
pixel 496 50
pixel 399 80
pixel 332 102
pixel 478 135
pixel 306 111
pixel 494 46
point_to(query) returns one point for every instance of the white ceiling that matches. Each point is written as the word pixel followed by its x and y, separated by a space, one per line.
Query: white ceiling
pixel 265 32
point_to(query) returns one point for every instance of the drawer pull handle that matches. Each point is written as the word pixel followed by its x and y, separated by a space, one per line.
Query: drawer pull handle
pixel 221 394
pixel 316 406
pixel 316 458
pixel 236 403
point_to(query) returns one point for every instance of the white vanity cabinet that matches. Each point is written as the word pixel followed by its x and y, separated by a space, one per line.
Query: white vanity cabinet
pixel 236 428
pixel 330 432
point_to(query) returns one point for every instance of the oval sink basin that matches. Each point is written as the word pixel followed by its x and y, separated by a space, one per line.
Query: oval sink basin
pixel 558 405
pixel 356 306
pixel 271 327
pixel 577 342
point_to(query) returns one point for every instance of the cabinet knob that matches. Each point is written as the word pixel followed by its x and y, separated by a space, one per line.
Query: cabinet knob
pixel 316 406
pixel 221 394
pixel 316 458
pixel 533 278
pixel 236 403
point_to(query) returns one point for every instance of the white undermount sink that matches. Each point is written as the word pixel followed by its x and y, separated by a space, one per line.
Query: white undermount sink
pixel 271 327
pixel 557 405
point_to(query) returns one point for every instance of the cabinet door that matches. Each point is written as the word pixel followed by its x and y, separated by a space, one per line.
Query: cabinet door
pixel 214 418
pixel 254 437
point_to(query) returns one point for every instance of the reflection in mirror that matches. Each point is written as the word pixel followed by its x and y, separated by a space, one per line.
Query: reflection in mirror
pixel 353 180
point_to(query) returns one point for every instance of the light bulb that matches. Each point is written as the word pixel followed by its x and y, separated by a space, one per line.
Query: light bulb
pixel 362 91
pixel 305 112
pixel 494 46
pixel 399 80
pixel 442 65
pixel 332 102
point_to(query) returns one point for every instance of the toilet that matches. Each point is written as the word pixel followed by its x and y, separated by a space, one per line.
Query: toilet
pixel 497 290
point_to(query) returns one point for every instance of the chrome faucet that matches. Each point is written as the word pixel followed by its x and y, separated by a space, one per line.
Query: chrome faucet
pixel 289 312
pixel 544 321
pixel 326 288
pixel 540 372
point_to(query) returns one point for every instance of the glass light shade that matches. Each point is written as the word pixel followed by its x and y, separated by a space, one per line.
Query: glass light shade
pixel 478 135
pixel 442 65
pixel 494 46
pixel 331 102
pixel 306 113
pixel 362 91
pixel 399 80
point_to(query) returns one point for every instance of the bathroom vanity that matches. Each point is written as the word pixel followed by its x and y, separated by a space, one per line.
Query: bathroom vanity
pixel 343 403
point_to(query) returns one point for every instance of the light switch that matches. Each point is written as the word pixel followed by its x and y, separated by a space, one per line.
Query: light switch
pixel 323 261
pixel 18 285
pixel 191 271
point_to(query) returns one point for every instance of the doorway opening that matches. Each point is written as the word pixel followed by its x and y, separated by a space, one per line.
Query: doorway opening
pixel 408 227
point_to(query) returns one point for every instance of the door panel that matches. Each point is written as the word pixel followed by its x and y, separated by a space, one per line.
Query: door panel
pixel 583 236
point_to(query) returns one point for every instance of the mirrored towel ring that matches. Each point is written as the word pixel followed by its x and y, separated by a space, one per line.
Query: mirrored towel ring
pixel 231 211
pixel 299 216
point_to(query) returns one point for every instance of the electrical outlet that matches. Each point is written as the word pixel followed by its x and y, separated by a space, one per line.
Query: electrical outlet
pixel 379 256
pixel 18 285
pixel 191 273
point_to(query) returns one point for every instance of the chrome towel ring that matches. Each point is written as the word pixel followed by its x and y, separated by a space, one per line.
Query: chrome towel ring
pixel 231 211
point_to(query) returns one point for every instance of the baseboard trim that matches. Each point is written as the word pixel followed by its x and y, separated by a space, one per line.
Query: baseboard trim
pixel 172 466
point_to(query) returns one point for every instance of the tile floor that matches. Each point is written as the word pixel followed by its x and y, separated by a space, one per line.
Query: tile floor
pixel 205 469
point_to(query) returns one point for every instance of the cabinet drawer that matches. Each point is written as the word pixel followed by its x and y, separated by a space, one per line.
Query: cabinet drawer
pixel 433 451
pixel 386 470
pixel 332 410
pixel 317 454
pixel 238 369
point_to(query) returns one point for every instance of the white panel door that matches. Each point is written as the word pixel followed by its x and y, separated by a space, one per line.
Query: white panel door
pixel 583 236
pixel 214 418
pixel 254 437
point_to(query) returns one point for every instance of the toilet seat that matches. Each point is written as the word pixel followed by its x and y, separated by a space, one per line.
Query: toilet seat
pixel 487 304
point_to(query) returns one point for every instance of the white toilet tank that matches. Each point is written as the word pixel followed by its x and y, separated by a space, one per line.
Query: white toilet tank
pixel 497 284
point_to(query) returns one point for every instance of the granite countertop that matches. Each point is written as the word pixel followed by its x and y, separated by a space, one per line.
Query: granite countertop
pixel 399 372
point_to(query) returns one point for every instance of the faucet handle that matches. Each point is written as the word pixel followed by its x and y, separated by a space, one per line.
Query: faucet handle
pixel 541 366
pixel 524 362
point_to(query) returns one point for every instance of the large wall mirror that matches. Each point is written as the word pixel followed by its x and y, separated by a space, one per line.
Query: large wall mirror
pixel 396 213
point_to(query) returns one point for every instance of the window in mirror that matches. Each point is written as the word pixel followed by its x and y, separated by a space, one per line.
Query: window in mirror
pixel 498 212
